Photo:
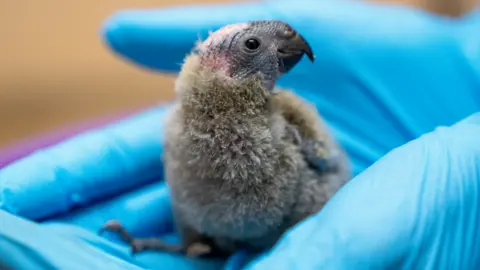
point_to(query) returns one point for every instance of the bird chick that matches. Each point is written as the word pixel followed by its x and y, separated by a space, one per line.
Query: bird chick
pixel 244 161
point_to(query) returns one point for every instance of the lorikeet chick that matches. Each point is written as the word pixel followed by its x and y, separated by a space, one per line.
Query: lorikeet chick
pixel 245 161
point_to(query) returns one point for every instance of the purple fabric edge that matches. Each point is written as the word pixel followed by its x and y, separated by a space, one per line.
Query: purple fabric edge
pixel 26 146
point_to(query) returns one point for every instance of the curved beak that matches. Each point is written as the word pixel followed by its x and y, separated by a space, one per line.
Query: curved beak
pixel 291 51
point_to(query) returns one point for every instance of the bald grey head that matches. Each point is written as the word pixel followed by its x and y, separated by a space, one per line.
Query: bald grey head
pixel 266 48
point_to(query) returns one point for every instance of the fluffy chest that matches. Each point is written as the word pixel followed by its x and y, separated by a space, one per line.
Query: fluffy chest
pixel 235 180
pixel 233 150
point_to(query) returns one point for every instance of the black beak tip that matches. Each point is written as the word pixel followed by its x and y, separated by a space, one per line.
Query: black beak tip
pixel 311 56
pixel 309 52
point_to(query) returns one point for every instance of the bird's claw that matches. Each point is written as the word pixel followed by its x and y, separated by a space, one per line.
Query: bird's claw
pixel 198 249
pixel 139 244
pixel 112 225
pixel 116 227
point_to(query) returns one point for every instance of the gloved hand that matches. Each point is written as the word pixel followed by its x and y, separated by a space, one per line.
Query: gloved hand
pixel 415 208
pixel 383 76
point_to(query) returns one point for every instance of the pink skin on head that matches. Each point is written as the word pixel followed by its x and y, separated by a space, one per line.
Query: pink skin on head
pixel 218 60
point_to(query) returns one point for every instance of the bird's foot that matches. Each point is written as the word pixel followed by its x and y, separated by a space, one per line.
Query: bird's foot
pixel 139 244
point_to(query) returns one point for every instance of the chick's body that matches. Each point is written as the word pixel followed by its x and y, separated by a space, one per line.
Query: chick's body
pixel 237 173
pixel 244 162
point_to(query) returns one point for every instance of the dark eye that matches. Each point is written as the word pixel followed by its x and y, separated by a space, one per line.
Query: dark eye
pixel 252 44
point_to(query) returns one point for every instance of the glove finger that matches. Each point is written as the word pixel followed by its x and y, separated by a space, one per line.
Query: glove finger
pixel 160 39
pixel 88 167
pixel 28 145
pixel 143 212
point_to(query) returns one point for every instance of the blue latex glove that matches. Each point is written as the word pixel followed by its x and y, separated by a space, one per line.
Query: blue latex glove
pixel 383 76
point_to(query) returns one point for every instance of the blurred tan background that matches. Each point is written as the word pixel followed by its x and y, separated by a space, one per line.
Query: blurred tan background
pixel 55 70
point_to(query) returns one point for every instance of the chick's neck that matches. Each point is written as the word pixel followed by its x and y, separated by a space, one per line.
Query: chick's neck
pixel 209 94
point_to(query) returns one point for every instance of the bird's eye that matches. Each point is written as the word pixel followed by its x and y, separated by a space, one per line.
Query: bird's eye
pixel 252 44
